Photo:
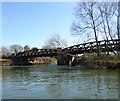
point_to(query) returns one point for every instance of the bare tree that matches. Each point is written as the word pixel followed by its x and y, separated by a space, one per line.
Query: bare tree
pixel 96 17
pixel 87 21
pixel 4 52
pixel 16 48
pixel 55 41
pixel 34 48
pixel 101 10
pixel 107 14
pixel 118 21
pixel 107 11
pixel 26 47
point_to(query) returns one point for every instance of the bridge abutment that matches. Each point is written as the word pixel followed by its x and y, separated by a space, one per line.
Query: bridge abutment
pixel 63 59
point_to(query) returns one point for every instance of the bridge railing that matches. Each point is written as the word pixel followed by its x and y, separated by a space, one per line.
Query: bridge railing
pixel 104 45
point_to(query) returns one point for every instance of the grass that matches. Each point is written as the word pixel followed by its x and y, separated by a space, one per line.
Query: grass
pixel 101 62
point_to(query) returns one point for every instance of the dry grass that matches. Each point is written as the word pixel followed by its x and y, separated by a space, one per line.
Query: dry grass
pixel 101 62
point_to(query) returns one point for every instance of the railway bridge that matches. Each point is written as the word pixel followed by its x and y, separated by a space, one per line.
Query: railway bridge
pixel 66 55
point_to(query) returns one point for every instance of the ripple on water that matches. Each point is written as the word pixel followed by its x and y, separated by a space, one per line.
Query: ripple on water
pixel 44 82
pixel 23 88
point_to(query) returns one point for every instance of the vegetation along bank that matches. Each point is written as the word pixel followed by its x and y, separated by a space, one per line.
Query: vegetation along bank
pixel 101 62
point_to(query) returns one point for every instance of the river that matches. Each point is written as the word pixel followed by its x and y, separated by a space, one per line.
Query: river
pixel 51 82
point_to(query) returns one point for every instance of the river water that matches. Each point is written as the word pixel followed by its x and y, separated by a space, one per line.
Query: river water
pixel 51 82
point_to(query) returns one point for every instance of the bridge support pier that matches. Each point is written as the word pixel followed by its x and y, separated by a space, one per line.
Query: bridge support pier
pixel 20 61
pixel 63 59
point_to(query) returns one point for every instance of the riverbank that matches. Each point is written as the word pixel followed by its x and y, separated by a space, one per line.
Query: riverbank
pixel 101 62
pixel 42 60
pixel 82 62
pixel 5 62
pixel 32 61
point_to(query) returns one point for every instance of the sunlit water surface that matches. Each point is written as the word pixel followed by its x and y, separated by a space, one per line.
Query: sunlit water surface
pixel 51 82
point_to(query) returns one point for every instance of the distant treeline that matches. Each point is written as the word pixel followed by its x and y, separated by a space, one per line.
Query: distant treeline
pixel 7 51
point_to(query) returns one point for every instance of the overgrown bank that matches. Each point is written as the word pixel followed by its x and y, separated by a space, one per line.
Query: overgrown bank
pixel 42 60
pixel 32 61
pixel 101 62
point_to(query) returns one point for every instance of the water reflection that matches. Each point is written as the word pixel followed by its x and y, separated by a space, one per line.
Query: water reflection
pixel 50 82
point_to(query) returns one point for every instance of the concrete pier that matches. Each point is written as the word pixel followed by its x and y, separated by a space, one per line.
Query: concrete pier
pixel 64 59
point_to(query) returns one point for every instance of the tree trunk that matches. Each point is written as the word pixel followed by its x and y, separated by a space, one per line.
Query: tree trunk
pixel 109 32
pixel 96 39
pixel 104 31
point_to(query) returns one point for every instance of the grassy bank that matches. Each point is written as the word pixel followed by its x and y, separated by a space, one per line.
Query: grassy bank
pixel 42 60
pixel 101 62
pixel 32 61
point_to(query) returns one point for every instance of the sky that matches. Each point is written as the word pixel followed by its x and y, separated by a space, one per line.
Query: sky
pixel 32 23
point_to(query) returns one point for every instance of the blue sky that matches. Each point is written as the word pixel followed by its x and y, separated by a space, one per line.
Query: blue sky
pixel 33 23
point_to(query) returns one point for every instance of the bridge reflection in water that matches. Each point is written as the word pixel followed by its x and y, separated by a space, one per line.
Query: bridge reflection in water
pixel 67 55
